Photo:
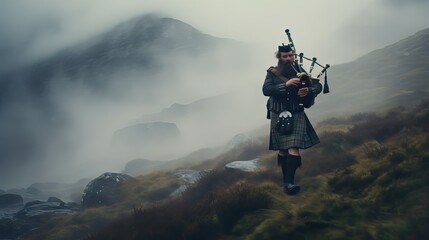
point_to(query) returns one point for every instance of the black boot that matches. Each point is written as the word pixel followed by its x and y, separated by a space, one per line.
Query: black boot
pixel 292 163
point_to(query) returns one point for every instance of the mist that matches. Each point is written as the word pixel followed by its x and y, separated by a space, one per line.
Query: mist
pixel 78 145
pixel 31 31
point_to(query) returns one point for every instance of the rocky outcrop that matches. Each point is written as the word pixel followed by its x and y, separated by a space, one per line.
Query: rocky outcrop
pixel 42 191
pixel 56 200
pixel 244 166
pixel 39 209
pixel 16 220
pixel 188 177
pixel 104 190
pixel 31 203
pixel 8 200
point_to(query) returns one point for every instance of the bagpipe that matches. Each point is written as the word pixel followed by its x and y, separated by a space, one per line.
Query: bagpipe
pixel 306 78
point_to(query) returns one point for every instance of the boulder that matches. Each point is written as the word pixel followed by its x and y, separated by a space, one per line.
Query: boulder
pixel 31 203
pixel 42 210
pixel 104 190
pixel 8 200
pixel 35 192
pixel 56 200
pixel 17 221
pixel 244 166
pixel 188 177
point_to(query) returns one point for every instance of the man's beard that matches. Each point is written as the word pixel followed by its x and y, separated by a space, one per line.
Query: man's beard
pixel 286 69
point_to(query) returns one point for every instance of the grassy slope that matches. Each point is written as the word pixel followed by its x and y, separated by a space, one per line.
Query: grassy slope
pixel 144 192
pixel 367 181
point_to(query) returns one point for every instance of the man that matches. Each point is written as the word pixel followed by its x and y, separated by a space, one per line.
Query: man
pixel 286 94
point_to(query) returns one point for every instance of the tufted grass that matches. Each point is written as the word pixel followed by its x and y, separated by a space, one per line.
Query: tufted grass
pixel 369 182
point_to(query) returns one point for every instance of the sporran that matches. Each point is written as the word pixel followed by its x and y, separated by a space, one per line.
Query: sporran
pixel 284 124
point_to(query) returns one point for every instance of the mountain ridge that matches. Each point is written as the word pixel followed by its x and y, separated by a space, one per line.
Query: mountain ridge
pixel 395 75
pixel 134 63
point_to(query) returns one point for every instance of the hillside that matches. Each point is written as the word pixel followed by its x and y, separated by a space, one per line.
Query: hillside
pixel 138 45
pixel 396 75
pixel 365 181
pixel 97 86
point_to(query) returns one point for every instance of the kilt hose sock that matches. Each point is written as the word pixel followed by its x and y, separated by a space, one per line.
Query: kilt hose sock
pixel 288 169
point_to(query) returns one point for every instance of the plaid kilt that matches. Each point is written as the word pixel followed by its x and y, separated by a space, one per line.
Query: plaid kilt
pixel 303 135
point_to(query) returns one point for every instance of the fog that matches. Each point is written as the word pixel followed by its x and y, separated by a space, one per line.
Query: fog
pixel 29 31
pixel 79 145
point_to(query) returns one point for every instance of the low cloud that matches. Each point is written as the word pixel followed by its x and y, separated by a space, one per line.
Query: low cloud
pixel 334 31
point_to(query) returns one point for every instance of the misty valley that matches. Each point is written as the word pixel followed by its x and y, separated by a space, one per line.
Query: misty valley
pixel 155 130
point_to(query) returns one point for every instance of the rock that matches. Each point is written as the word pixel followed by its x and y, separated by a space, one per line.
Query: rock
pixel 9 212
pixel 8 200
pixel 33 192
pixel 31 203
pixel 179 191
pixel 41 210
pixel 245 166
pixel 56 200
pixel 104 190
pixel 15 222
pixel 189 177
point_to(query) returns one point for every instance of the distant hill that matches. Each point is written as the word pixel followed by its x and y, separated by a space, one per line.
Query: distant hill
pixel 143 45
pixel 395 75
pixel 208 122
pixel 140 63
pixel 144 139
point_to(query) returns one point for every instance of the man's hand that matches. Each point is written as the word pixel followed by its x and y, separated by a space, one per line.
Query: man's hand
pixel 303 92
pixel 293 81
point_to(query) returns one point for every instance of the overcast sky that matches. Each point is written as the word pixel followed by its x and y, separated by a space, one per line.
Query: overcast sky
pixel 333 30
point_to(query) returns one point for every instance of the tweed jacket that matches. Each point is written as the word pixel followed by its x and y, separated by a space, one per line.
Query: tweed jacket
pixel 282 97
